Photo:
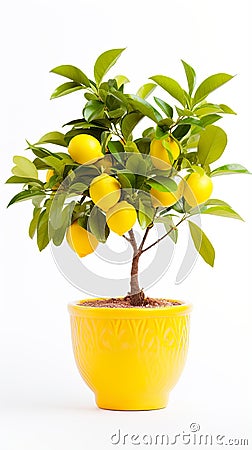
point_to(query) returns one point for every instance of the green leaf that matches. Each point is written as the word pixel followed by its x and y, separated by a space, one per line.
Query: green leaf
pixel 212 143
pixel 65 89
pixel 115 148
pixel 117 113
pixel 66 217
pixel 105 138
pixel 209 85
pixel 185 164
pixel 149 133
pixel 192 142
pixel 24 180
pixel 118 95
pixel 42 230
pixel 65 157
pixel 181 131
pixel 209 203
pixel 121 80
pixel 80 123
pixel 24 168
pixel 162 184
pixel 127 179
pixel 96 132
pixel 209 119
pixel 40 165
pixel 143 144
pixel 184 112
pixel 215 201
pixel 131 147
pixel 144 107
pixel 202 243
pixel 210 108
pixel 104 62
pixel 145 90
pixel 229 169
pixel 190 75
pixel 89 96
pixel 34 221
pixel 145 213
pixel 56 211
pixel 223 211
pixel 54 163
pixel 103 93
pixel 94 109
pixel 97 225
pixel 191 121
pixel 73 73
pixel 112 102
pixel 77 188
pixel 207 108
pixel 52 181
pixel 167 109
pixel 171 86
pixel 226 109
pixel 129 122
pixel 41 152
pixel 54 137
pixel 25 195
pixel 163 128
pixel 79 212
pixel 179 207
pixel 169 227
pixel 136 164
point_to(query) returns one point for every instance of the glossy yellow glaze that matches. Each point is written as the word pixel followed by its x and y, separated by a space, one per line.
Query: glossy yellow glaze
pixel 131 358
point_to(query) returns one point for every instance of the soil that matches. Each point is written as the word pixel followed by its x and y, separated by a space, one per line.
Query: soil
pixel 125 303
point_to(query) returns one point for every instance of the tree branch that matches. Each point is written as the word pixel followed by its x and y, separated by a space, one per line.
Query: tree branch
pixel 165 235
pixel 143 240
pixel 126 238
pixel 132 240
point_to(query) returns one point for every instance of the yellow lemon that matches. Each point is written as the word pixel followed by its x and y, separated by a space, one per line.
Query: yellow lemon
pixel 164 198
pixel 159 154
pixel 121 217
pixel 105 191
pixel 197 188
pixel 85 149
pixel 49 174
pixel 80 240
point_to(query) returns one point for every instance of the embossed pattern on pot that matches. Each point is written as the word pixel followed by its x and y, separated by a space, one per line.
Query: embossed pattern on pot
pixel 130 362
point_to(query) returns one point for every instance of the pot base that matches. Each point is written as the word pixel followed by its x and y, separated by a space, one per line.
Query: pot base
pixel 132 404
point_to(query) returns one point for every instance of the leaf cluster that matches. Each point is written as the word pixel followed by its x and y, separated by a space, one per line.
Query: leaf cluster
pixel 110 114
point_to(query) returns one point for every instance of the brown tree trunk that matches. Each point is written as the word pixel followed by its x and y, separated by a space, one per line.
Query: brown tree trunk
pixel 136 295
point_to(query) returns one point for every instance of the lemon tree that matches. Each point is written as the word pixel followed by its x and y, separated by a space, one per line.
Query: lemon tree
pixel 96 176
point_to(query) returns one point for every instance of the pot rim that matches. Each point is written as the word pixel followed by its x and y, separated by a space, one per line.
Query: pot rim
pixel 75 309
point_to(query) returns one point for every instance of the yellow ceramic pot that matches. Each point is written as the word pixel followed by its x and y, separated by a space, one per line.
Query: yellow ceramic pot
pixel 130 357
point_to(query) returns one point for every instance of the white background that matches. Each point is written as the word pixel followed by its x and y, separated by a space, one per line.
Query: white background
pixel 44 403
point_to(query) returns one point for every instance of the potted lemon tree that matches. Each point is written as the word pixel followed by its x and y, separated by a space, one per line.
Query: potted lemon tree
pixel 100 178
